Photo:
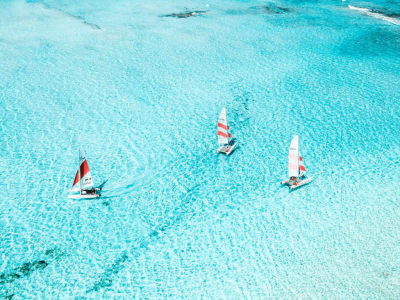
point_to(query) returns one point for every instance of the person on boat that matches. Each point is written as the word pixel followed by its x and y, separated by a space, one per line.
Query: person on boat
pixel 293 180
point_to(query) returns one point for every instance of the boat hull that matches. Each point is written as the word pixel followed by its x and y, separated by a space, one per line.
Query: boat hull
pixel 299 183
pixel 84 196
pixel 227 149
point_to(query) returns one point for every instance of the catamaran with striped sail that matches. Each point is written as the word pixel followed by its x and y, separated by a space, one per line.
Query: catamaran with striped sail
pixel 225 141
pixel 83 187
pixel 297 170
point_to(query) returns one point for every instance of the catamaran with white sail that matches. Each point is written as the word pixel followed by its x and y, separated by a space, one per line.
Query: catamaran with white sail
pixel 83 187
pixel 225 141
pixel 297 170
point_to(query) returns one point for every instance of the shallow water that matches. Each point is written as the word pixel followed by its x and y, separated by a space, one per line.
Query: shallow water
pixel 141 94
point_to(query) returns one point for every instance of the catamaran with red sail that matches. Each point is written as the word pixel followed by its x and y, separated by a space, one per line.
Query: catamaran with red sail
pixel 83 187
pixel 225 141
pixel 297 170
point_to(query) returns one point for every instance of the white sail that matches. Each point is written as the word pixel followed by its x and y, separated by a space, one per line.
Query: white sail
pixel 76 184
pixel 86 181
pixel 224 136
pixel 302 168
pixel 293 165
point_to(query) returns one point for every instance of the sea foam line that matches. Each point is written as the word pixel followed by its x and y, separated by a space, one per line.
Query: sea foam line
pixel 375 14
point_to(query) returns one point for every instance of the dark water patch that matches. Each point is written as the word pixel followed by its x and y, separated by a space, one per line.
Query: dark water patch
pixel 29 267
pixel 186 14
pixel 379 13
pixel 105 203
pixel 106 278
pixel 22 271
pixel 154 233
pixel 386 13
pixel 391 13
pixel 8 297
pixel 376 42
pixel 268 8
pixel 54 253
pixel 241 104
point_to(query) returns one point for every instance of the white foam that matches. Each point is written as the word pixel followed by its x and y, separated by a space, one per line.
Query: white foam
pixel 375 15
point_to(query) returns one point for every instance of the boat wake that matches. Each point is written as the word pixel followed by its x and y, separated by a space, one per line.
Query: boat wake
pixel 377 14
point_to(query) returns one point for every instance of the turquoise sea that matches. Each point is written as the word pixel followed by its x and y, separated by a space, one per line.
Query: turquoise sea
pixel 141 92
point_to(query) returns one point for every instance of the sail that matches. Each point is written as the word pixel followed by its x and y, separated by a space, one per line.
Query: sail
pixel 302 168
pixel 76 186
pixel 224 135
pixel 293 165
pixel 86 178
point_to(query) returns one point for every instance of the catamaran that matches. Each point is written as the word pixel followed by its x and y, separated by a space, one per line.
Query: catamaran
pixel 83 187
pixel 297 170
pixel 225 141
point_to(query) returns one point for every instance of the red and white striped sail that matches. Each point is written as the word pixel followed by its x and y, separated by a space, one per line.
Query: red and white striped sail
pixel 296 164
pixel 293 165
pixel 224 136
pixel 76 187
pixel 302 168
pixel 84 172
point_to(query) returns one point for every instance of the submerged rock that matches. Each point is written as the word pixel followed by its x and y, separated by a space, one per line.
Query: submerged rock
pixel 22 271
pixel 269 8
pixel 54 253
pixel 186 14
pixel 385 13
pixel 106 279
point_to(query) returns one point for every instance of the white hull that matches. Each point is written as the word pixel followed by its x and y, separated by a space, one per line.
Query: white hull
pixel 85 196
pixel 227 149
pixel 298 184
pixel 79 196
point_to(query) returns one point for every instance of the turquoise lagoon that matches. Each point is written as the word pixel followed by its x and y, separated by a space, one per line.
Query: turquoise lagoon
pixel 141 93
